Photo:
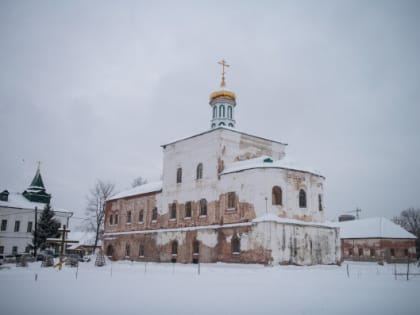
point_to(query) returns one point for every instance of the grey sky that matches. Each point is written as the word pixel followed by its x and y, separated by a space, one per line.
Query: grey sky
pixel 93 88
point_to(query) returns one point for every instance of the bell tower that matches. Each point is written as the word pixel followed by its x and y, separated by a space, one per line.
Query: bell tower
pixel 223 104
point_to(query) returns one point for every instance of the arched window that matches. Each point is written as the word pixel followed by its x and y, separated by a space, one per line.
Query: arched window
pixel 196 247
pixel 109 250
pixel 110 219
pixel 116 218
pixel 276 195
pixel 320 207
pixel 229 110
pixel 203 207
pixel 214 112
pixel 222 123
pixel 128 216
pixel 173 211
pixel 141 250
pixel 141 215
pixel 213 125
pixel 236 245
pixel 174 248
pixel 179 175
pixel 199 171
pixel 188 209
pixel 222 111
pixel 127 250
pixel 230 125
pixel 302 199
pixel 154 214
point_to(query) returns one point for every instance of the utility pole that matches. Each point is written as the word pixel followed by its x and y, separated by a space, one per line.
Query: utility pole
pixel 36 232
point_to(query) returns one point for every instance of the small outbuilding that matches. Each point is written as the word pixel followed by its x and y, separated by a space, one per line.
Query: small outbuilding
pixel 376 239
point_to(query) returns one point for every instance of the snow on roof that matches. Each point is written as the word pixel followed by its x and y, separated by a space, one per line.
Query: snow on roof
pixel 84 238
pixel 267 162
pixel 139 190
pixel 269 217
pixel 372 228
pixel 17 200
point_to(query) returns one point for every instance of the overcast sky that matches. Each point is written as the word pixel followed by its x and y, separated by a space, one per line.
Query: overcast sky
pixel 93 88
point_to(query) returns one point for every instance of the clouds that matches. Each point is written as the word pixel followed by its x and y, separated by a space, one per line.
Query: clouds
pixel 94 88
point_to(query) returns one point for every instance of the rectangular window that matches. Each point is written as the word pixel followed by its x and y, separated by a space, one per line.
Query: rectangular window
pixel 179 175
pixel 173 211
pixel 29 229
pixel 372 252
pixel 17 226
pixel 188 209
pixel 141 250
pixel 116 219
pixel 27 249
pixel 320 207
pixel 129 217
pixel 392 252
pixel 3 225
pixel 406 253
pixel 1 249
pixel 231 200
pixel 14 250
pixel 360 251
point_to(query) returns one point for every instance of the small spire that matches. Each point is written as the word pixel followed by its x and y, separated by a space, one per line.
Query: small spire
pixel 223 64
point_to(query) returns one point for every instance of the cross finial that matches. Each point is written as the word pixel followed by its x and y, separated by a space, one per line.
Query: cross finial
pixel 224 64
pixel 39 165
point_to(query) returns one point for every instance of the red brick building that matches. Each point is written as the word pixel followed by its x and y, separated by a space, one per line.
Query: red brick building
pixel 376 239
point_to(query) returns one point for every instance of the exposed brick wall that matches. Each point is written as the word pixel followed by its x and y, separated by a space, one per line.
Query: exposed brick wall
pixel 163 253
pixel 383 250
pixel 217 213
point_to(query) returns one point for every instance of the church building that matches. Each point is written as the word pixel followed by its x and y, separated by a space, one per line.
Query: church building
pixel 17 216
pixel 225 196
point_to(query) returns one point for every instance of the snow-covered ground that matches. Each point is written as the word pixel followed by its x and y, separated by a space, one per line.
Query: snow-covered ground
pixel 139 288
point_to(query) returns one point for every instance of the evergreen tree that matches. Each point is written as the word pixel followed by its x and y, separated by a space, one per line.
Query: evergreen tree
pixel 47 228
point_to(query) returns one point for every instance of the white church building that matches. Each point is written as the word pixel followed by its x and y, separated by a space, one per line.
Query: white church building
pixel 17 216
pixel 226 196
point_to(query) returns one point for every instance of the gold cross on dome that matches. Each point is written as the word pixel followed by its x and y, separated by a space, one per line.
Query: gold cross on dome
pixel 223 64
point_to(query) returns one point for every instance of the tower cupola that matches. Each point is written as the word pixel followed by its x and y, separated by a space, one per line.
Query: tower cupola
pixel 36 191
pixel 223 103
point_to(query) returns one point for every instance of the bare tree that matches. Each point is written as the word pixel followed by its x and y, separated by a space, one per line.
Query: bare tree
pixel 95 210
pixel 138 181
pixel 409 219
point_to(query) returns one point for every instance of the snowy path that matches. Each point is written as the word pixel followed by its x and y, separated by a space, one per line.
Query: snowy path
pixel 219 289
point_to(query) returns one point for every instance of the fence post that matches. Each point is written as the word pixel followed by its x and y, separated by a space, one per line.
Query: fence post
pixel 348 273
pixel 395 271
pixel 408 267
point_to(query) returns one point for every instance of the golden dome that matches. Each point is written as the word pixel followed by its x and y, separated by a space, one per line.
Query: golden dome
pixel 223 94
